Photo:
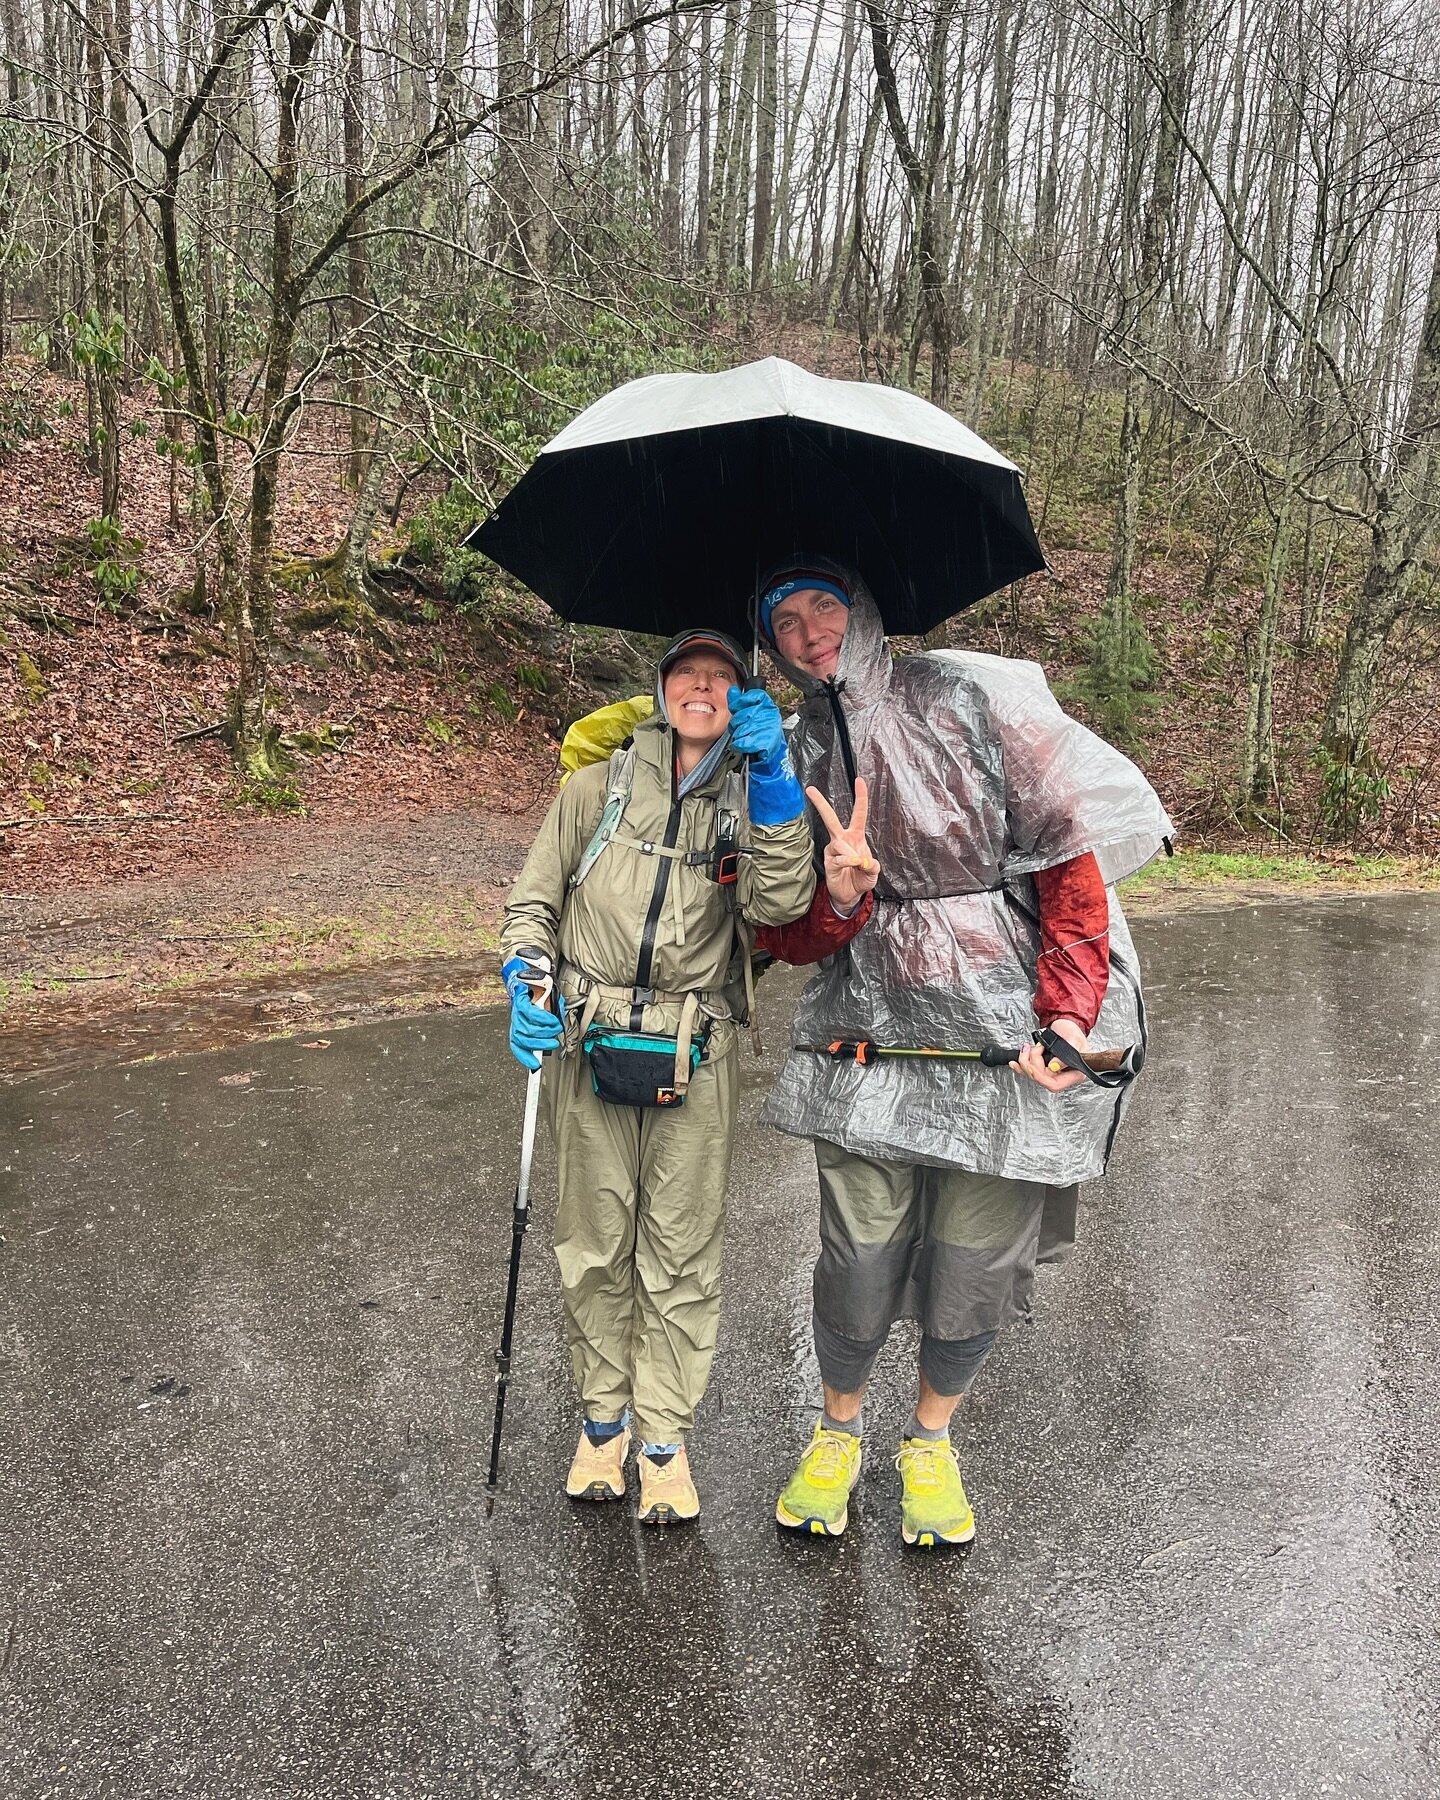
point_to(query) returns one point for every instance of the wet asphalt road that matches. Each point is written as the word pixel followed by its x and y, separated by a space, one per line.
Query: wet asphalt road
pixel 245 1398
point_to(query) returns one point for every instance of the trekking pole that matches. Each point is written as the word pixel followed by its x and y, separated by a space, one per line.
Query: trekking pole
pixel 1106 1068
pixel 519 1220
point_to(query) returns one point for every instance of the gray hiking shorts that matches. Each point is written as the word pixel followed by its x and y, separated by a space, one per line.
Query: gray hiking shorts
pixel 954 1250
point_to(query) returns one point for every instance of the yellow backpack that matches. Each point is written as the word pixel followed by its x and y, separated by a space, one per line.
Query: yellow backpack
pixel 598 734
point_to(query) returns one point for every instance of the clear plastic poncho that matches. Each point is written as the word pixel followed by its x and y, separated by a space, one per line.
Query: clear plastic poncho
pixel 977 780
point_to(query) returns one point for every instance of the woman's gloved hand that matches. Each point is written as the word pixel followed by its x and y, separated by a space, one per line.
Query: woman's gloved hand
pixel 533 1030
pixel 776 797
pixel 755 728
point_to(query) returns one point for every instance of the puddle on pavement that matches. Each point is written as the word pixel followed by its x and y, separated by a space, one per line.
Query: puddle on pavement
pixel 213 1014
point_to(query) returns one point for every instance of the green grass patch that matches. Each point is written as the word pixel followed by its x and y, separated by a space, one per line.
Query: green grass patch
pixel 236 949
pixel 1192 871
pixel 382 933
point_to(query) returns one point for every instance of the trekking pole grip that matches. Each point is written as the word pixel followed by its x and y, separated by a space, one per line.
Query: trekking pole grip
pixel 1103 1062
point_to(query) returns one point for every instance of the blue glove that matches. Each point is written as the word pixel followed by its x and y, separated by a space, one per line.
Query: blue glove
pixel 755 728
pixel 776 797
pixel 533 1031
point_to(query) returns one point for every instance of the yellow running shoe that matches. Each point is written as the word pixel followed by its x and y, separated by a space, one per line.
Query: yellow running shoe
pixel 817 1495
pixel 667 1493
pixel 598 1470
pixel 933 1508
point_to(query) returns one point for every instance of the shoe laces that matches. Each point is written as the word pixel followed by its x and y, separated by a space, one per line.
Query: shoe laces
pixel 826 1459
pixel 924 1463
pixel 666 1473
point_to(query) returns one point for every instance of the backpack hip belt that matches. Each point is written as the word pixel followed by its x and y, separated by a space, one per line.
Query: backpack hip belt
pixel 593 992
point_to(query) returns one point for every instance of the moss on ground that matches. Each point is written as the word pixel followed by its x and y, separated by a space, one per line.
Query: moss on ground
pixel 191 953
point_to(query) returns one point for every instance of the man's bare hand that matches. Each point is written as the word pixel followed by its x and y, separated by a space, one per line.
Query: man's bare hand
pixel 850 866
pixel 1034 1063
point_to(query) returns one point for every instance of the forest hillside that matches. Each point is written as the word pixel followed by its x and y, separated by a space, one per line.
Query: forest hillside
pixel 290 294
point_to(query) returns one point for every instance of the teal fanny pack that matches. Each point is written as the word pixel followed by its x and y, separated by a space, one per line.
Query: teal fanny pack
pixel 639 1068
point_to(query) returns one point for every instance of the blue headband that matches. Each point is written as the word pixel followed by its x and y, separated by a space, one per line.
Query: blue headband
pixel 796 584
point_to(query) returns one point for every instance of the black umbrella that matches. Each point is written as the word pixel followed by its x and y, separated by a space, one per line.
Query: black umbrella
pixel 663 503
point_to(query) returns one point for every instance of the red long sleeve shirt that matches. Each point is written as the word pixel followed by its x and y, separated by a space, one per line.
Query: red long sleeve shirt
pixel 1074 964
pixel 1073 969
pixel 820 933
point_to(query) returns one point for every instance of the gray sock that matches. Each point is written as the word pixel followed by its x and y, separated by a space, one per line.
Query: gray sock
pixel 940 1435
pixel 850 1427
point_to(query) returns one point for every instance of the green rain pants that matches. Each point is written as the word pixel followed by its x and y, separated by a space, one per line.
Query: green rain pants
pixel 640 1238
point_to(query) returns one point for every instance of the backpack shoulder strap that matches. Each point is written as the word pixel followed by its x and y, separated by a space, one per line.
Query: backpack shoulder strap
pixel 617 798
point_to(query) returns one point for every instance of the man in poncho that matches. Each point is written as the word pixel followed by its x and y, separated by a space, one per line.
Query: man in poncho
pixel 999 825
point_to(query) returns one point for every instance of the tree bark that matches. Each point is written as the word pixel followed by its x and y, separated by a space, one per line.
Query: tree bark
pixel 674 140
pixel 542 148
pixel 1155 226
pixel 105 231
pixel 1404 524
pixel 766 114
pixel 356 277
pixel 920 176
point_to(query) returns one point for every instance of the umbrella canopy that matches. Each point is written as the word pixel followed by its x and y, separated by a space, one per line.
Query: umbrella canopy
pixel 666 501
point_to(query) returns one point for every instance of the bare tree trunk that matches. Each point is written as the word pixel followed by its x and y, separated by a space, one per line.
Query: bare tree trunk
pixel 839 261
pixel 674 140
pixel 356 279
pixel 792 128
pixel 920 175
pixel 1257 755
pixel 510 201
pixel 639 119
pixel 1154 228
pixel 766 113
pixel 542 148
pixel 254 623
pixel 1404 522
pixel 702 171
pixel 737 201
pixel 352 563
pixel 716 260
pixel 105 227
pixel 17 55
pixel 1008 22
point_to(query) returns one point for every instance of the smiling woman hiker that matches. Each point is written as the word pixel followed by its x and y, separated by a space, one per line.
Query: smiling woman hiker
pixel 639 894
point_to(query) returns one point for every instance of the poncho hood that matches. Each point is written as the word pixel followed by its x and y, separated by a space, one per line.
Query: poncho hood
pixel 865 662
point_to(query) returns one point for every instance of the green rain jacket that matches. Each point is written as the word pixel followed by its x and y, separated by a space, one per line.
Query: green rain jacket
pixel 640 920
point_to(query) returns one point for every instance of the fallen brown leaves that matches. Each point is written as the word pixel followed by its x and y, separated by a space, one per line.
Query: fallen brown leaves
pixel 107 768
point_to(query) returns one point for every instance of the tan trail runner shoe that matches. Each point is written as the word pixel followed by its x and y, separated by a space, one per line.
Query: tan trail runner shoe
pixel 598 1470
pixel 667 1494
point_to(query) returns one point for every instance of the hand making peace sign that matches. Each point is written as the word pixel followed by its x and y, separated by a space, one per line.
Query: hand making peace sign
pixel 850 866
